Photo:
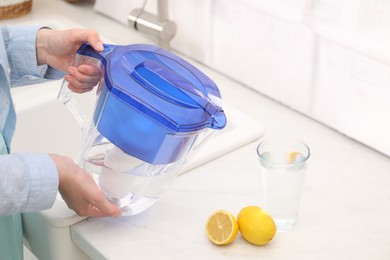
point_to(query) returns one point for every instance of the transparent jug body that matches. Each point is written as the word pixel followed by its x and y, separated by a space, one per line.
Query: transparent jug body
pixel 133 150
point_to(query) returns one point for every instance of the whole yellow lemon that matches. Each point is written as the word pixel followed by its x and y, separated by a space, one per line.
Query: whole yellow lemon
pixel 256 225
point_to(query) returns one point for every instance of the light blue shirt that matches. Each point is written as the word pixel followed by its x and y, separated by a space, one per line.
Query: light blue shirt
pixel 28 181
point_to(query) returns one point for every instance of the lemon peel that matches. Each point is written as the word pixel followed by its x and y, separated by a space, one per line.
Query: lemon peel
pixel 256 225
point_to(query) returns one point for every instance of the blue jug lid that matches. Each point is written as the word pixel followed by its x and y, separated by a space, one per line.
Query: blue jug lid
pixel 164 87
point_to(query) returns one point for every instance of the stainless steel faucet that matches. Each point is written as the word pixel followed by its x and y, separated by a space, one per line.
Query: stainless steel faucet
pixel 158 26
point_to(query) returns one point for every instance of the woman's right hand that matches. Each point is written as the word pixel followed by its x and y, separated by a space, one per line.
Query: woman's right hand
pixel 80 191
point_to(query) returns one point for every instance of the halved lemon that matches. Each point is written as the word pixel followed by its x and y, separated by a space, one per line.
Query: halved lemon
pixel 221 227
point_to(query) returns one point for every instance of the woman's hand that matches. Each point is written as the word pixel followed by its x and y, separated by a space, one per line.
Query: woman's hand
pixel 80 191
pixel 58 49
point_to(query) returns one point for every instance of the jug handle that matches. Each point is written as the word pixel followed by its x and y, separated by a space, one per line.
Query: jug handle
pixel 85 55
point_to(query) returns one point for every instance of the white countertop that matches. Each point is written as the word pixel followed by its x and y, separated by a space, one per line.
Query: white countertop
pixel 345 210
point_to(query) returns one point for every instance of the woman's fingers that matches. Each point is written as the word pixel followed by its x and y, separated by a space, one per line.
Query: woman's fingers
pixel 83 78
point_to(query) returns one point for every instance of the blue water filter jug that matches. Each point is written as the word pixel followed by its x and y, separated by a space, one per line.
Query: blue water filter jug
pixel 152 110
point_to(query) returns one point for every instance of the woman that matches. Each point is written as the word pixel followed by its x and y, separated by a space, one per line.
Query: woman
pixel 30 181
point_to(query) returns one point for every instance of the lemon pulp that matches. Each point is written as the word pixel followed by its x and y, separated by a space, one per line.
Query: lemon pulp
pixel 221 227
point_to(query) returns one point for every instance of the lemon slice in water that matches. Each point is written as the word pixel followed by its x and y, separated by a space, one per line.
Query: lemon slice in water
pixel 294 157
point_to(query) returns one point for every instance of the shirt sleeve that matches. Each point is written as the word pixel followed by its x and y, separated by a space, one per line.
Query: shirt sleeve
pixel 22 57
pixel 28 182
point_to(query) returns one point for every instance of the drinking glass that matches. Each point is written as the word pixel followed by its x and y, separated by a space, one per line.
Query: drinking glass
pixel 283 164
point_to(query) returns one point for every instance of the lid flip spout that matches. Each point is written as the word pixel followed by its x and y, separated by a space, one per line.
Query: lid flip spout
pixel 217 116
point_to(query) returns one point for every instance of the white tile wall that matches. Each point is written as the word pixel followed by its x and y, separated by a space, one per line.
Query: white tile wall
pixel 329 59
pixel 352 94
pixel 287 10
pixel 361 25
pixel 266 53
pixel 193 19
